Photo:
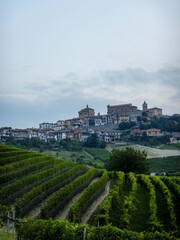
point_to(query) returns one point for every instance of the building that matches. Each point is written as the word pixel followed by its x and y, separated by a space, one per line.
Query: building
pixel 151 112
pixel 33 132
pixel 110 135
pixel 153 132
pixel 20 133
pixel 86 113
pixel 121 110
pixel 100 120
pixel 154 112
pixel 5 132
pixel 144 106
pixel 124 112
pixel 46 125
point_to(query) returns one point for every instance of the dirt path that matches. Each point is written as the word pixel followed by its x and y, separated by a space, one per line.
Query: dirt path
pixel 95 204
pixel 63 214
pixel 34 213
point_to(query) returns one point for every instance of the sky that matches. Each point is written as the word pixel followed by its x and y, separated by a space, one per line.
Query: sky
pixel 57 56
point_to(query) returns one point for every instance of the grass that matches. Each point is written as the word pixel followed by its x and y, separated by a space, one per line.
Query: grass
pixel 84 157
pixel 99 153
pixel 97 156
pixel 166 164
pixel 6 235
pixel 175 146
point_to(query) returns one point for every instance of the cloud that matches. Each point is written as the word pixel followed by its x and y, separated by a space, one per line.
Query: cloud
pixel 63 97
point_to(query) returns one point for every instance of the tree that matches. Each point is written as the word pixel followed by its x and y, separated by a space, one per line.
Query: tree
pixel 127 160
pixel 126 125
pixel 139 118
pixel 93 141
pixel 91 122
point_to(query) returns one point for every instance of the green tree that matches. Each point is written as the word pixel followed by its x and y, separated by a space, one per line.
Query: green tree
pixel 127 160
pixel 126 125
pixel 93 141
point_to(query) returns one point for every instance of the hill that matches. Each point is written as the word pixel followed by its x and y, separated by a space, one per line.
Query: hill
pixel 123 206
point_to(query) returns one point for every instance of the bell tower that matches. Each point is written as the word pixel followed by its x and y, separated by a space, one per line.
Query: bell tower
pixel 144 106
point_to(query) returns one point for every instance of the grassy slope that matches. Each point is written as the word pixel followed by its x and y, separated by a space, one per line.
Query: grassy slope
pixel 97 157
pixel 6 235
pixel 90 156
pixel 168 164
pixel 175 146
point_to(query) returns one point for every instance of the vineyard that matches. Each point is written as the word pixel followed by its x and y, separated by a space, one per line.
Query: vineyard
pixel 51 198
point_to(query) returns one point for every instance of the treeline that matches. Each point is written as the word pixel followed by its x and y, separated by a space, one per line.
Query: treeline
pixel 171 124
pixel 165 124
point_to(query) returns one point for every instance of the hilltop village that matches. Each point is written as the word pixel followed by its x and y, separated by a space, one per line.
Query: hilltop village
pixel 106 126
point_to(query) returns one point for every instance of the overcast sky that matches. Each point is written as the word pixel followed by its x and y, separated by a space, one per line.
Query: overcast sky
pixel 56 56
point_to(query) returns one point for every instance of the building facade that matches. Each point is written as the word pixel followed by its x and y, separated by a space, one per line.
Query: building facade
pixel 124 112
pixel 121 110
pixel 86 113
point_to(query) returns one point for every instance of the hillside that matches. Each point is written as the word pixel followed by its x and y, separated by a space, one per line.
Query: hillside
pixel 44 187
pixel 151 152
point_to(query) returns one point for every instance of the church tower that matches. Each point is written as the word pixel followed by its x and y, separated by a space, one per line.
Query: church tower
pixel 145 106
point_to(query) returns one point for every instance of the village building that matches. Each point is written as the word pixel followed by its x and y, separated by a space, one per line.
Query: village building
pixel 20 133
pixel 86 113
pixel 5 132
pixel 100 120
pixel 46 125
pixel 124 112
pixel 175 137
pixel 121 110
pixel 153 132
pixel 80 128
pixel 33 132
pixel 152 112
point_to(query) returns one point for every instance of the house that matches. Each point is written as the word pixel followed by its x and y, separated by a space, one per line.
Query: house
pixel 76 122
pixel 152 112
pixel 60 122
pixel 78 133
pixel 100 120
pixel 50 135
pixel 152 132
pixel 124 118
pixel 43 134
pixel 5 132
pixel 20 133
pixel 136 131
pixel 110 135
pixel 46 125
pixel 62 134
pixel 175 137
pixel 68 122
pixel 33 132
